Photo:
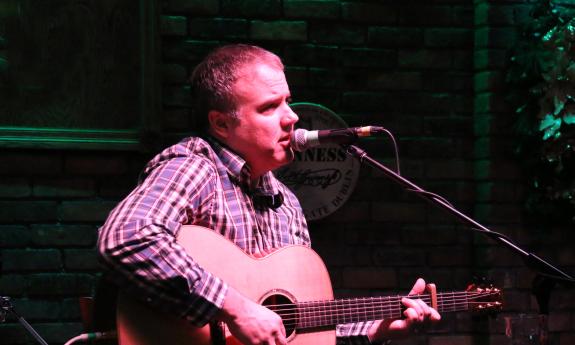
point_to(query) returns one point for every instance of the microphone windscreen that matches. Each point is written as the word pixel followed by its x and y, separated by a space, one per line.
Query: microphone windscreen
pixel 298 140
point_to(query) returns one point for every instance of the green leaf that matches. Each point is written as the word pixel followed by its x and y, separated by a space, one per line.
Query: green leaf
pixel 550 126
pixel 569 118
pixel 547 121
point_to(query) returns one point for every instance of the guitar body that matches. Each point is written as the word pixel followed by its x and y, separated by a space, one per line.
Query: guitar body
pixel 294 272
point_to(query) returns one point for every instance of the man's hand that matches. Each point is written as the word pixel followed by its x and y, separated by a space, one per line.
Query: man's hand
pixel 416 313
pixel 250 322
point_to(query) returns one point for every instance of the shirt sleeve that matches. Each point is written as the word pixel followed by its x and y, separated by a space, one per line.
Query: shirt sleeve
pixel 138 241
pixel 353 333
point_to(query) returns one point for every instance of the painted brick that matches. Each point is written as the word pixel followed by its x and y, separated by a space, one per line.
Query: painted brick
pixel 396 211
pixel 453 126
pixel 219 28
pixel 81 260
pixel 14 284
pixel 444 278
pixel 351 211
pixel 61 284
pixel 28 211
pixel 252 8
pixel 376 233
pixel 489 58
pixel 193 7
pixel 173 25
pixel 328 9
pixel 394 37
pixel 413 235
pixel 188 50
pixel 448 37
pixel 279 30
pixel 499 214
pixel 495 37
pixel 487 14
pixel 120 187
pixel 296 76
pixel 14 236
pixel 65 187
pixel 490 102
pixel 449 256
pixel 499 169
pixel 448 81
pixel 489 81
pixel 95 164
pixel 62 235
pixel 311 55
pixel 463 16
pixel 361 57
pixel 177 96
pixel 363 101
pixel 499 192
pixel 174 73
pixel 423 15
pixel 14 188
pixel 337 34
pixel 433 59
pixel 449 169
pixel 47 309
pixel 59 332
pixel 462 60
pixel 85 211
pixel 394 80
pixel 31 260
pixel 366 12
pixel 389 257
pixel 359 277
pixel 30 163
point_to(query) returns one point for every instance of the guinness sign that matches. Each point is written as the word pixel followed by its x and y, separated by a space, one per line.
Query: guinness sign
pixel 322 177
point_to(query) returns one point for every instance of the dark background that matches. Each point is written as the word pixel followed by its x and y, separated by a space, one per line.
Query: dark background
pixel 429 71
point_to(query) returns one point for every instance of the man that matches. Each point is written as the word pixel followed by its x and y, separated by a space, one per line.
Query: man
pixel 224 182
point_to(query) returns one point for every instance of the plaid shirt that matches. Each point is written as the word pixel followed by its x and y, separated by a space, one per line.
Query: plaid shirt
pixel 197 181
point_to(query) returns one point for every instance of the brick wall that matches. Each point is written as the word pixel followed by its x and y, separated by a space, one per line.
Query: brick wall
pixel 430 72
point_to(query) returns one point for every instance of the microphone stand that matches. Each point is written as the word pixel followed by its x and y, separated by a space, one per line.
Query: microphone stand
pixel 547 274
pixel 6 306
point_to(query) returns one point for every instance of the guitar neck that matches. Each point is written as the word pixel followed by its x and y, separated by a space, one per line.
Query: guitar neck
pixel 330 313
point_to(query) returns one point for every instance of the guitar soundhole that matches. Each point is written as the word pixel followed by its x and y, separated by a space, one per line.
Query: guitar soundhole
pixel 285 308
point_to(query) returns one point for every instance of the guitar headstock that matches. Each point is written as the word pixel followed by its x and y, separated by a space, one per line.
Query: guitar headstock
pixel 484 298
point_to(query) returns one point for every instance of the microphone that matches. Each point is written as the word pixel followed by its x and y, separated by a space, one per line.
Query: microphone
pixel 302 139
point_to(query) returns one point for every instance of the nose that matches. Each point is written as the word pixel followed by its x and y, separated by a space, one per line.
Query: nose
pixel 290 117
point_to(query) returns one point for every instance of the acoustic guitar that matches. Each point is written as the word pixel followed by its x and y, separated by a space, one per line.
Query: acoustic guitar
pixel 292 281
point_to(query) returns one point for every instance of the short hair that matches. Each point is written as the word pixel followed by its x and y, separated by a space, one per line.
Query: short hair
pixel 212 80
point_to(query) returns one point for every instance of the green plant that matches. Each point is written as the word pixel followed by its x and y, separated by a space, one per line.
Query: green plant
pixel 541 80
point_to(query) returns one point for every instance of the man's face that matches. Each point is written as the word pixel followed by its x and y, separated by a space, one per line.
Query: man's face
pixel 261 134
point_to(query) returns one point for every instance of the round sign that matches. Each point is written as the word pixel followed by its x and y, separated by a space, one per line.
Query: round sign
pixel 322 177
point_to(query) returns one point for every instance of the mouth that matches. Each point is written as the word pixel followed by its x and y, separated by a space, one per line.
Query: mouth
pixel 285 141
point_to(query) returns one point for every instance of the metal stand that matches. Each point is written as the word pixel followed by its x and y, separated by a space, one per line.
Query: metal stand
pixel 547 273
pixel 7 307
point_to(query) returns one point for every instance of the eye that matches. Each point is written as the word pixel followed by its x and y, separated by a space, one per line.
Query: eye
pixel 268 108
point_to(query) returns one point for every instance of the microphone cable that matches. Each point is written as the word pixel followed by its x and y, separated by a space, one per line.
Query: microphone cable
pixel 87 337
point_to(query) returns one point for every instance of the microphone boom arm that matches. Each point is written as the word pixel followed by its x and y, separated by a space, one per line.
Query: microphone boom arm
pixel 531 260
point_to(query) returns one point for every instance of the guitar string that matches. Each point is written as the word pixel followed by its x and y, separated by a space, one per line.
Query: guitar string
pixel 311 321
pixel 444 306
pixel 380 300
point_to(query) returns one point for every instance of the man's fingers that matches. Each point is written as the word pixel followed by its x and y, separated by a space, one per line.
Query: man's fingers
pixel 417 308
pixel 418 287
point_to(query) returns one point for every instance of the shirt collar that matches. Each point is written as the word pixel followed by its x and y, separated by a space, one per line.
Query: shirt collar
pixel 239 171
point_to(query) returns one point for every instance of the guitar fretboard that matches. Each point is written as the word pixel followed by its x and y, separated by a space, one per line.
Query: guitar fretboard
pixel 330 313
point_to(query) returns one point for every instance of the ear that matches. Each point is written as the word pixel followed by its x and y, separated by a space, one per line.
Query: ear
pixel 219 124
